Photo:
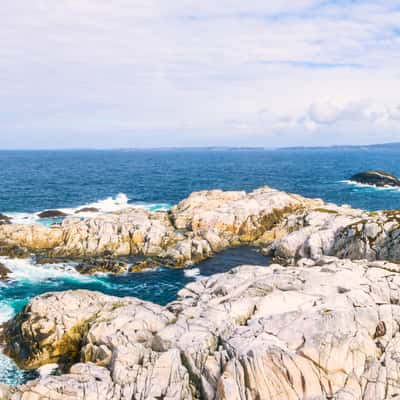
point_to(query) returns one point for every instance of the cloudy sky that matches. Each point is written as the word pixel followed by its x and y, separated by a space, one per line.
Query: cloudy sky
pixel 137 73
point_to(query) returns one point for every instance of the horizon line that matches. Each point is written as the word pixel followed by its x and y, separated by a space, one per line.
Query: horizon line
pixel 161 148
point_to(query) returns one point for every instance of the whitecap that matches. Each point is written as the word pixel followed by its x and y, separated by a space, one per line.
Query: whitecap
pixel 367 186
pixel 6 312
pixel 26 270
pixel 107 205
pixel 193 273
pixel 22 218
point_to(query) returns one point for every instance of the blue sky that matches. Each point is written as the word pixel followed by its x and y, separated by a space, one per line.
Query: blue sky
pixel 129 73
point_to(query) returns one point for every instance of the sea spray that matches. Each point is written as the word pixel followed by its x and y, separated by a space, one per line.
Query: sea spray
pixel 104 206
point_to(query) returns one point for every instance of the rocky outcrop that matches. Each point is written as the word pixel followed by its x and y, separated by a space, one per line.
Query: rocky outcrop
pixel 199 226
pixel 376 237
pixel 52 214
pixel 322 330
pixel 313 233
pixel 30 237
pixel 87 210
pixel 4 219
pixel 289 227
pixel 376 178
pixel 341 232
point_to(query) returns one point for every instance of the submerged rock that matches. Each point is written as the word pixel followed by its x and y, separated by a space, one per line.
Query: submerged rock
pixel 376 178
pixel 327 329
pixel 52 214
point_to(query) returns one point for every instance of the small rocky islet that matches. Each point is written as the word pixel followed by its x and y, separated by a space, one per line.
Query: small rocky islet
pixel 321 322
pixel 376 178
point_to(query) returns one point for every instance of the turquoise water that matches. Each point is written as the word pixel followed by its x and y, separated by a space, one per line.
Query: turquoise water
pixel 160 286
pixel 109 180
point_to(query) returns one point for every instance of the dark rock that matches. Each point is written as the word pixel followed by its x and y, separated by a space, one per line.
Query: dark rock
pixel 149 263
pixel 4 219
pixel 87 209
pixel 4 271
pixel 103 265
pixel 52 214
pixel 380 330
pixel 376 178
pixel 44 258
pixel 13 251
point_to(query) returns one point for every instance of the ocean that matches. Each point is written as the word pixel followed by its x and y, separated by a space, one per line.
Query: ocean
pixel 33 181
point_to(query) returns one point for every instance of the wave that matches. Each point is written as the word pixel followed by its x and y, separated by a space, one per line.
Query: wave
pixel 10 374
pixel 367 186
pixel 25 270
pixel 104 206
pixel 193 273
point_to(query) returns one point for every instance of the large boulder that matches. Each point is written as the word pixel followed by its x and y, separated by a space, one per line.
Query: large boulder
pixel 376 178
pixel 322 331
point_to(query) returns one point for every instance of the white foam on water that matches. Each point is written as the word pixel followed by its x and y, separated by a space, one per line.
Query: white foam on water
pixel 22 218
pixel 367 186
pixel 6 312
pixel 107 205
pixel 193 273
pixel 10 374
pixel 26 270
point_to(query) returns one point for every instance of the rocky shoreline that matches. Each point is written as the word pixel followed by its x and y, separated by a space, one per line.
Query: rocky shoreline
pixel 195 229
pixel 287 226
pixel 321 323
pixel 319 330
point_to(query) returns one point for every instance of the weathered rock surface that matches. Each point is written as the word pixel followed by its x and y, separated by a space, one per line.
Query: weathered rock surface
pixel 342 232
pixel 289 227
pixel 376 178
pixel 313 233
pixel 202 224
pixel 322 330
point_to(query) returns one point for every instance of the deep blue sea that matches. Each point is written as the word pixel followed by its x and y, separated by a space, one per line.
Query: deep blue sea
pixel 32 181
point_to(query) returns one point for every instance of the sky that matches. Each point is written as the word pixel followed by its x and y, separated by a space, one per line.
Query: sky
pixel 155 73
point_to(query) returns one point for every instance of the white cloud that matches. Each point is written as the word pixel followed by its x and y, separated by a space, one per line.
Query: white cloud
pixel 328 112
pixel 131 69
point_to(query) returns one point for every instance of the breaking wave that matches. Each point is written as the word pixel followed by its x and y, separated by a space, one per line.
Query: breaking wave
pixel 107 205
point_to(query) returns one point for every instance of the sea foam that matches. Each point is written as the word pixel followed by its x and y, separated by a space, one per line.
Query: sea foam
pixel 107 205
pixel 367 186
pixel 193 273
